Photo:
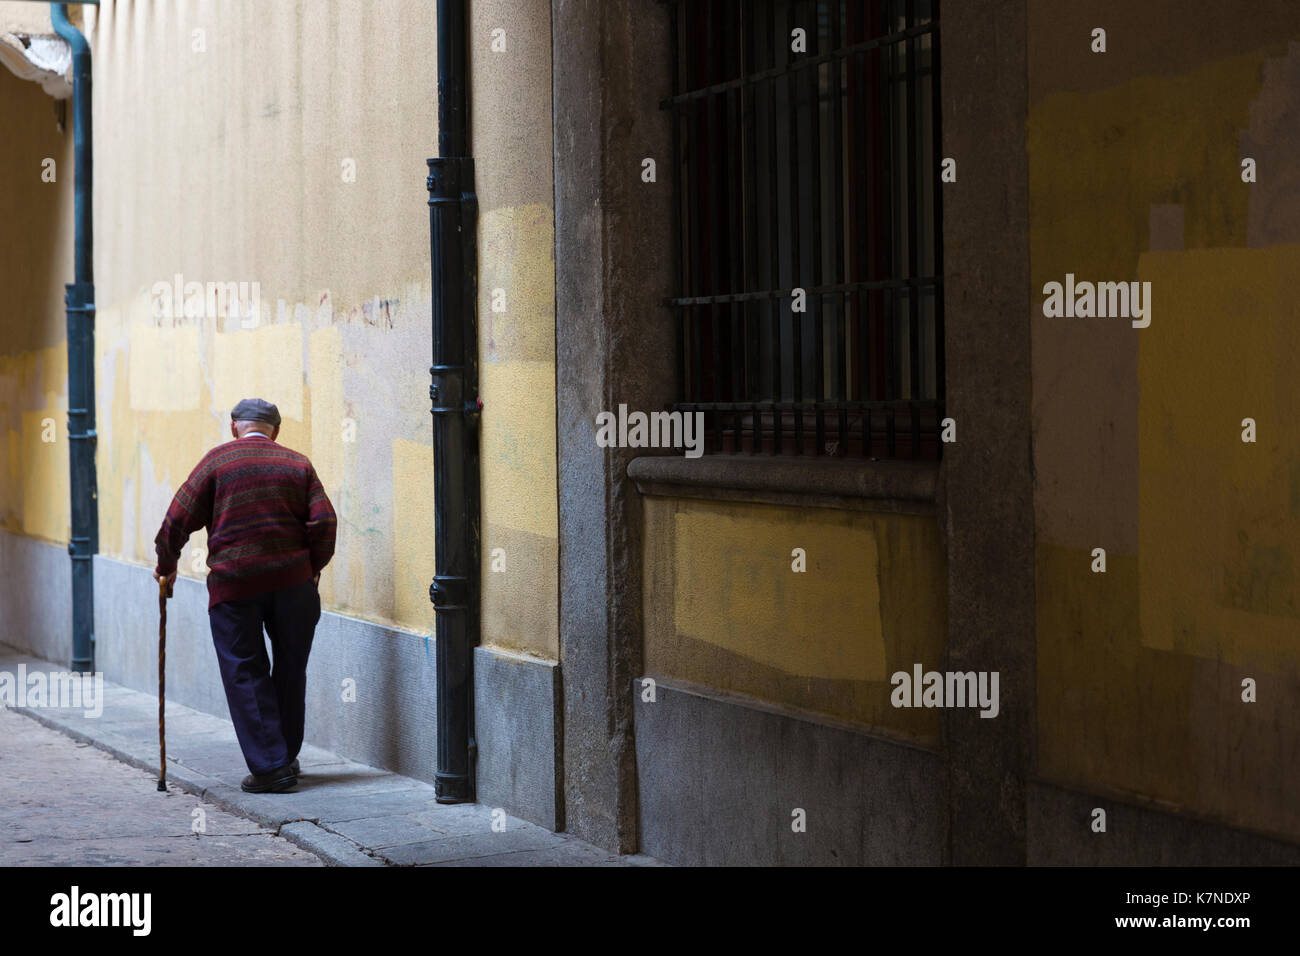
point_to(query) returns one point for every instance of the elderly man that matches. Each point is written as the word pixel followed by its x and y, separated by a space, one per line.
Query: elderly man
pixel 270 532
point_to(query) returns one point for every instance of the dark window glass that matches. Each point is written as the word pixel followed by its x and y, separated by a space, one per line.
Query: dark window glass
pixel 813 169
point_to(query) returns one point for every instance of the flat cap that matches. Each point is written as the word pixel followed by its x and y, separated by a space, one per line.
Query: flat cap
pixel 255 410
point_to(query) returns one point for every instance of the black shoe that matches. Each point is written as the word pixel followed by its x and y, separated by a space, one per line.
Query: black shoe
pixel 277 781
pixel 297 772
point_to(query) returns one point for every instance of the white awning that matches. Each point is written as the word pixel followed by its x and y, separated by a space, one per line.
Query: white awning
pixel 43 59
pixel 31 50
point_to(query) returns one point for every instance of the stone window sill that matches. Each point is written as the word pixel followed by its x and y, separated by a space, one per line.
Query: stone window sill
pixel 903 487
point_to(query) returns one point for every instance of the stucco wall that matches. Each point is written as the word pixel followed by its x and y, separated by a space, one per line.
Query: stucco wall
pixel 726 609
pixel 221 141
pixel 282 147
pixel 36 252
pixel 1135 174
pixel 511 140
pixel 32 19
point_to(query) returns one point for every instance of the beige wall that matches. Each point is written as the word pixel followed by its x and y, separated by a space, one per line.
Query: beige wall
pixel 32 19
pixel 511 142
pixel 1135 173
pixel 730 606
pixel 36 257
pixel 223 133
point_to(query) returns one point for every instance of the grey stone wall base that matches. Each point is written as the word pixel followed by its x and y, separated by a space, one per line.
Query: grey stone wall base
pixel 1060 834
pixel 36 597
pixel 718 780
pixel 392 723
pixel 126 636
pixel 517 728
pixel 719 783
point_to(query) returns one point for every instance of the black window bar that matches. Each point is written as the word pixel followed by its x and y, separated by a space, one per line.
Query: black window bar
pixel 814 170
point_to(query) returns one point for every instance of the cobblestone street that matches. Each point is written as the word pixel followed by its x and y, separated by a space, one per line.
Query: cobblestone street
pixel 66 803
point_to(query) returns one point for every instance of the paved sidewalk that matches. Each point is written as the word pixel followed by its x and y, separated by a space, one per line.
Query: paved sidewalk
pixel 347 813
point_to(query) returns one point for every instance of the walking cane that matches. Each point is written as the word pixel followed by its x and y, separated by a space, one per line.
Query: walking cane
pixel 164 592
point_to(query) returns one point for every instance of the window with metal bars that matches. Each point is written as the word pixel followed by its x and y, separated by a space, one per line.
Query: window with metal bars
pixel 809 260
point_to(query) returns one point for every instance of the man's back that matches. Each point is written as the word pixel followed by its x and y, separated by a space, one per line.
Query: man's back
pixel 270 523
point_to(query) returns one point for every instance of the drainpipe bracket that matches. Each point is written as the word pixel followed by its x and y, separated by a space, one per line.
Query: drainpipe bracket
pixel 449 592
pixel 446 175
pixel 446 389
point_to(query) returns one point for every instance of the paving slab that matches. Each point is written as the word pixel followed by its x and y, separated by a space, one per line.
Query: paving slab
pixel 475 846
pixel 380 832
pixel 330 847
pixel 548 856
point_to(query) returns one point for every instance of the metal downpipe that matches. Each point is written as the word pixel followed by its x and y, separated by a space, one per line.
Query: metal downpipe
pixel 79 297
pixel 453 227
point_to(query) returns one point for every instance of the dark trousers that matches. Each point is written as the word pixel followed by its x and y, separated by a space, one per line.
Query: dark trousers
pixel 267 706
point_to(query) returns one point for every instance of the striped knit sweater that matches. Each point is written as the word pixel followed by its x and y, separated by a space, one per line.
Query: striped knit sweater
pixel 270 524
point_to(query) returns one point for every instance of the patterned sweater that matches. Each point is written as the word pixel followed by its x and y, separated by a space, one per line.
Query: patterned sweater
pixel 270 524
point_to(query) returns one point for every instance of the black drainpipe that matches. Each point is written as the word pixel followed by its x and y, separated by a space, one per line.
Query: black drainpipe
pixel 79 297
pixel 453 225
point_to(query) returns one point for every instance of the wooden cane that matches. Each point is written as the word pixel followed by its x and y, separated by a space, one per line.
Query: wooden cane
pixel 164 592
